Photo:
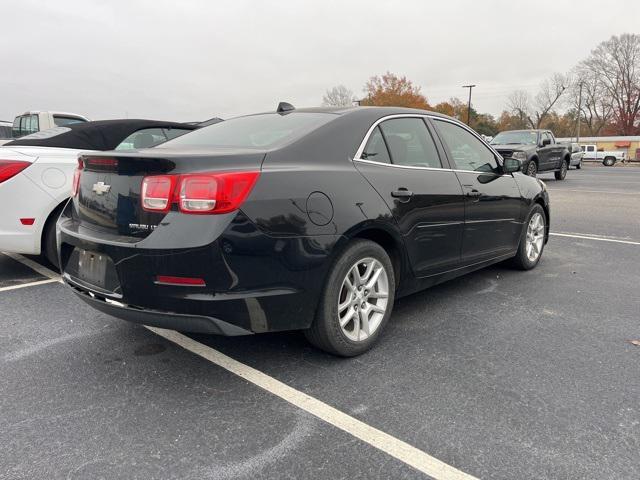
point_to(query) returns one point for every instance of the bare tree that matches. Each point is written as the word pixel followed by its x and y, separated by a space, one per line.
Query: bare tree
pixel 533 112
pixel 519 104
pixel 616 62
pixel 339 96
pixel 588 97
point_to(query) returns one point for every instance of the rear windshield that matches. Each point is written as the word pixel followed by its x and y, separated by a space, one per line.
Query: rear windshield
pixel 255 131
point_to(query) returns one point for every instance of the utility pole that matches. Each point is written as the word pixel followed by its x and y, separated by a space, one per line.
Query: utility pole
pixel 470 87
pixel 579 113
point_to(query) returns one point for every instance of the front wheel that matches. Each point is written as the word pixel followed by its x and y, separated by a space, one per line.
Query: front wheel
pixel 531 239
pixel 562 173
pixel 356 301
pixel 579 165
pixel 609 161
pixel 532 168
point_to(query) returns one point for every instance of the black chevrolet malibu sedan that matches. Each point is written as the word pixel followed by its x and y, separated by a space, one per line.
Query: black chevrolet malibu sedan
pixel 309 219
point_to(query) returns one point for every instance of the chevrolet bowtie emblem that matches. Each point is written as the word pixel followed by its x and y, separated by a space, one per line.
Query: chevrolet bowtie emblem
pixel 100 188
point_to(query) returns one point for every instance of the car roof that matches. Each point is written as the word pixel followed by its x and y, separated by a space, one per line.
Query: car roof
pixel 100 135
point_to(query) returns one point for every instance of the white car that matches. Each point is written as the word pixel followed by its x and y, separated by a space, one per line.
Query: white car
pixel 36 173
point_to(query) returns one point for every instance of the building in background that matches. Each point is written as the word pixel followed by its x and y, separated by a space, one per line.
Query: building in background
pixel 629 145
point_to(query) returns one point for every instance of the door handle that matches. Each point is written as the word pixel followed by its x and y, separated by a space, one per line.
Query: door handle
pixel 473 194
pixel 403 194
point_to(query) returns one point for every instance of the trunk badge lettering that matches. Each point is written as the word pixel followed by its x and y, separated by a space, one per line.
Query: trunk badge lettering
pixel 100 188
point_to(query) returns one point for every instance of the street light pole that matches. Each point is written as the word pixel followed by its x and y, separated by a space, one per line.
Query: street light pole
pixel 579 114
pixel 470 87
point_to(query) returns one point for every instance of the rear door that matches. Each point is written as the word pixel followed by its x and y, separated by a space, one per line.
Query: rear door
pixel 404 164
pixel 493 204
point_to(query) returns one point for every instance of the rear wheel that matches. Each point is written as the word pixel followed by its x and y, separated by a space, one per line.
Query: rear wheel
pixel 531 239
pixel 609 161
pixel 562 173
pixel 532 168
pixel 356 301
pixel 49 247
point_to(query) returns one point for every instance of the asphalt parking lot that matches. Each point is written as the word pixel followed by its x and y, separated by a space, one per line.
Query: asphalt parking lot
pixel 500 374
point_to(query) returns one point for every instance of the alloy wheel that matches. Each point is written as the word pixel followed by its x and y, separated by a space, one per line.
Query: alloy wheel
pixel 532 169
pixel 363 299
pixel 535 237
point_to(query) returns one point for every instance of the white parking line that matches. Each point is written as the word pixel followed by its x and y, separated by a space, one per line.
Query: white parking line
pixel 388 444
pixel 30 284
pixel 42 270
pixel 590 237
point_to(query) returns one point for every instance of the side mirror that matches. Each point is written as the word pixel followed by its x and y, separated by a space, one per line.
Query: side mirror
pixel 546 142
pixel 511 165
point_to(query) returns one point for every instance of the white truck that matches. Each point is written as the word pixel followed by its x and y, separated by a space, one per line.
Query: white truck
pixel 608 158
pixel 34 121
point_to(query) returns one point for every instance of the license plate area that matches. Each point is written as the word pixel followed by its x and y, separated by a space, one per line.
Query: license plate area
pixel 94 270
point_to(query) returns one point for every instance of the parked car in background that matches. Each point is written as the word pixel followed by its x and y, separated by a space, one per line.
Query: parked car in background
pixel 36 173
pixel 608 158
pixel 35 121
pixel 5 132
pixel 576 155
pixel 536 150
pixel 313 219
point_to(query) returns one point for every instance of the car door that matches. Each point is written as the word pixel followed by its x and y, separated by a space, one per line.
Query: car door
pixel 493 204
pixel 545 152
pixel 403 163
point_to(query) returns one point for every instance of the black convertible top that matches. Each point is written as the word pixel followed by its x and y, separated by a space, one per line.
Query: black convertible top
pixel 101 135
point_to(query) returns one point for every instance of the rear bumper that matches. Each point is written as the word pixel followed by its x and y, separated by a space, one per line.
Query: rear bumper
pixel 21 198
pixel 156 318
pixel 254 282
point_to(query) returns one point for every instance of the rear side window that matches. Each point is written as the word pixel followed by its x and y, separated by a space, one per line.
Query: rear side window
pixel 61 120
pixel 267 130
pixel 25 125
pixel 468 152
pixel 376 149
pixel 410 143
pixel 150 137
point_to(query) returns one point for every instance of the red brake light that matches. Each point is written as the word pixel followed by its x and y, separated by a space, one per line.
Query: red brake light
pixel 157 193
pixel 75 183
pixel 203 193
pixel 10 168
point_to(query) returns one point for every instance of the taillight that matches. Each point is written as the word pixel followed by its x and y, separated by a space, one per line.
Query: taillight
pixel 157 193
pixel 75 183
pixel 201 193
pixel 10 168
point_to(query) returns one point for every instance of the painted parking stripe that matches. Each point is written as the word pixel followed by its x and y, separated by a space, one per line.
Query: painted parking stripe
pixel 42 270
pixel 588 237
pixel 30 284
pixel 388 444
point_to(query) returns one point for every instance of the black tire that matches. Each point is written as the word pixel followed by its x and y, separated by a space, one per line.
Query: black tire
pixel 521 260
pixel 609 161
pixel 562 173
pixel 579 165
pixel 325 331
pixel 49 247
pixel 532 168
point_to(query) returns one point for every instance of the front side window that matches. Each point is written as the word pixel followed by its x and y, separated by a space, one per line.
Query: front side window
pixel 62 121
pixel 410 143
pixel 268 130
pixel 545 136
pixel 468 152
pixel 376 149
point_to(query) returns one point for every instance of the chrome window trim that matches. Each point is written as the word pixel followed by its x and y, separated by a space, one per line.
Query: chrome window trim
pixel 358 156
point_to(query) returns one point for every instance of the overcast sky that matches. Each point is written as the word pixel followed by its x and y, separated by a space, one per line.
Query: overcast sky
pixel 191 60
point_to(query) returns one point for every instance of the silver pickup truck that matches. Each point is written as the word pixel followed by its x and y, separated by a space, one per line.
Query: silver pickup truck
pixel 608 158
